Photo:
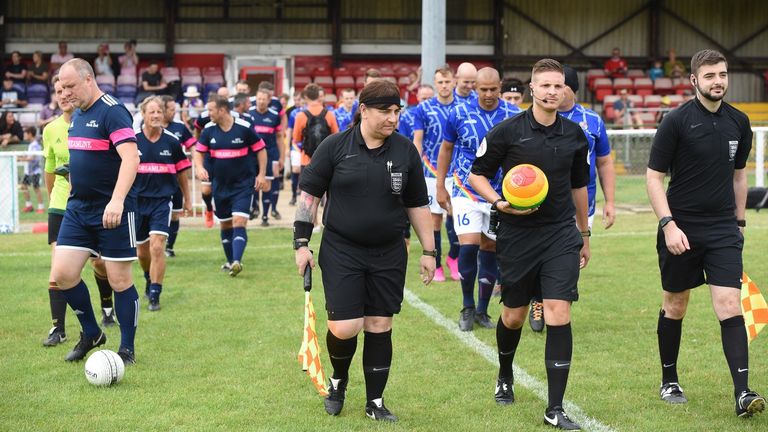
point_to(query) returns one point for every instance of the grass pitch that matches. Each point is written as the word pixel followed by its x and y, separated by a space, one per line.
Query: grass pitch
pixel 221 354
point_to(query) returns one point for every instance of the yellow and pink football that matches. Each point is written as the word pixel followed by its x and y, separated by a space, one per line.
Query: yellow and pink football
pixel 525 186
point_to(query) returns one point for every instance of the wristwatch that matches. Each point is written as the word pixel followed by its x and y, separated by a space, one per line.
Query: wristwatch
pixel 432 253
pixel 300 244
pixel 742 223
pixel 587 233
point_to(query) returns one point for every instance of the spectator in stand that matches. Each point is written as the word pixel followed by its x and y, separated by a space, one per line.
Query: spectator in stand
pixel 61 57
pixel 664 108
pixel 413 88
pixel 129 62
pixel 17 70
pixel 49 113
pixel 12 97
pixel 512 91
pixel 32 172
pixel 192 106
pixel 616 66
pixel 371 75
pixel 10 129
pixel 656 71
pixel 38 73
pixel 103 63
pixel 622 112
pixel 673 68
pixel 152 82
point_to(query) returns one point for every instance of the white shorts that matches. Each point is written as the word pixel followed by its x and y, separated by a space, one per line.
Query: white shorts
pixel 295 158
pixel 471 217
pixel 590 220
pixel 434 206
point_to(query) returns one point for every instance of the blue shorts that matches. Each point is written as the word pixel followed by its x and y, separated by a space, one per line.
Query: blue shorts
pixel 235 202
pixel 85 231
pixel 154 218
pixel 178 200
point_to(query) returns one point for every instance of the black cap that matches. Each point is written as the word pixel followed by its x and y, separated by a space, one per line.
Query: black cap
pixel 512 85
pixel 571 78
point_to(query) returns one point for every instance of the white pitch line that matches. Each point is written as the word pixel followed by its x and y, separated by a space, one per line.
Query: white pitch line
pixel 286 246
pixel 521 376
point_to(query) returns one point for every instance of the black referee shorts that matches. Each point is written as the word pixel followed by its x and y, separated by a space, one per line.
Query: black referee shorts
pixel 714 257
pixel 538 262
pixel 361 281
pixel 54 224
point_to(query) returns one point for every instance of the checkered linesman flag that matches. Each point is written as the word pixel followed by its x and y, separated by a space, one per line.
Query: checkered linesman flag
pixel 309 353
pixel 753 307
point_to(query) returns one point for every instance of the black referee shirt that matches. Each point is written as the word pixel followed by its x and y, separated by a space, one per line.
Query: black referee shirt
pixel 368 190
pixel 560 150
pixel 701 149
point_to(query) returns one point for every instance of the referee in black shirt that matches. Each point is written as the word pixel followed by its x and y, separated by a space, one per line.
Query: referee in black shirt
pixel 704 144
pixel 540 251
pixel 374 180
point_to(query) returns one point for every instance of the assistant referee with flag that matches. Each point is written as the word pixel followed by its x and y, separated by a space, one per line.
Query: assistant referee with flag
pixel 704 144
pixel 374 180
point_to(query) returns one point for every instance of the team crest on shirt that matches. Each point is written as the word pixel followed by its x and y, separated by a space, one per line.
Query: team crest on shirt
pixel 396 180
pixel 732 147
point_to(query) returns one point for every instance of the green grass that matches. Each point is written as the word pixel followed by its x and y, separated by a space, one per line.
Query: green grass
pixel 221 354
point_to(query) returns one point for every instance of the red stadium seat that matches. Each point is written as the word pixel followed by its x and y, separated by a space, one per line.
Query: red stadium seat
pixel 643 86
pixel 325 81
pixel 330 99
pixel 648 119
pixel 592 75
pixel 652 101
pixel 189 71
pixel 682 85
pixel 622 84
pixel 675 100
pixel 637 101
pixel 212 70
pixel 345 81
pixel 603 87
pixel 359 82
pixel 635 73
pixel 663 86
pixel 300 81
pixel 608 106
pixel 170 74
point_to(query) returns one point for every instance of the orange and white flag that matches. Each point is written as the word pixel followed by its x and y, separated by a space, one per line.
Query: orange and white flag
pixel 753 307
pixel 309 353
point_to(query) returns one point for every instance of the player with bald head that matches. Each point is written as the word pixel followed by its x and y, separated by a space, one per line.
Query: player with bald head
pixel 99 219
pixel 466 77
pixel 464 134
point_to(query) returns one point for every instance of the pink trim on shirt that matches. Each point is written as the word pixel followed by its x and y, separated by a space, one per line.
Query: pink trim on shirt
pixel 156 168
pixel 230 153
pixel 82 143
pixel 264 129
pixel 182 165
pixel 122 135
pixel 258 145
pixel 202 148
pixel 188 144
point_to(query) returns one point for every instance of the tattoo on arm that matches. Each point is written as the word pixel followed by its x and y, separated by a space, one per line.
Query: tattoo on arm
pixel 307 207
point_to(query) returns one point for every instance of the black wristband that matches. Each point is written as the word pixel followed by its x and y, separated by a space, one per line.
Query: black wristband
pixel 664 221
pixel 587 233
pixel 496 203
pixel 741 223
pixel 302 230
